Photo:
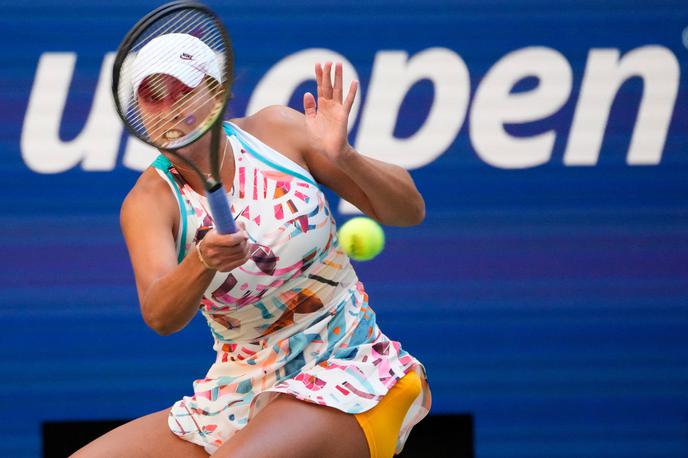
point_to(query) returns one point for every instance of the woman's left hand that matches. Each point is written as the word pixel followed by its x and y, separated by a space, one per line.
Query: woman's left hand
pixel 326 124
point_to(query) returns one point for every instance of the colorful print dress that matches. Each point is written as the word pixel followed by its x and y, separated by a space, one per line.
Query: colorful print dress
pixel 294 319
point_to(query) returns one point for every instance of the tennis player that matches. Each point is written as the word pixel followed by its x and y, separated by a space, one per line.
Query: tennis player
pixel 302 368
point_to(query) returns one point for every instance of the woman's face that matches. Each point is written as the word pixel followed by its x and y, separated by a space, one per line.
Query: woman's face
pixel 170 109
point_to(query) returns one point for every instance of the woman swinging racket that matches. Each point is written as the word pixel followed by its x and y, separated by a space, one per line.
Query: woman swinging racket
pixel 302 368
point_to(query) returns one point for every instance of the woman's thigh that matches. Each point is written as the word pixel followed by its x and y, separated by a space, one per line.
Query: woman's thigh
pixel 290 428
pixel 147 436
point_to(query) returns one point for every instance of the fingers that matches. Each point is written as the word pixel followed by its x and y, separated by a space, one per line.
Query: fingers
pixel 337 92
pixel 225 252
pixel 351 96
pixel 228 240
pixel 318 78
pixel 323 78
pixel 309 104
pixel 327 90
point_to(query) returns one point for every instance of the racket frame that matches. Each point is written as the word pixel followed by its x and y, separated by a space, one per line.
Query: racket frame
pixel 217 198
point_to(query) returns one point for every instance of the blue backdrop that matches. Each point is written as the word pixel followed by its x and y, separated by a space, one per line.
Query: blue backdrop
pixel 546 292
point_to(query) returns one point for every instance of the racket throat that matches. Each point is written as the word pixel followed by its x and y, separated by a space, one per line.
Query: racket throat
pixel 212 185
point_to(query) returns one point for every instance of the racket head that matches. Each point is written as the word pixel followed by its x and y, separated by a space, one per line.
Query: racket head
pixel 172 75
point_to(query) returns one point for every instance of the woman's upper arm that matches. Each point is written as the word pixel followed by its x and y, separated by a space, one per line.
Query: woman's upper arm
pixel 147 218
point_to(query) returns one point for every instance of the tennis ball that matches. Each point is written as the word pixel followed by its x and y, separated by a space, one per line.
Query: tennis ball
pixel 362 238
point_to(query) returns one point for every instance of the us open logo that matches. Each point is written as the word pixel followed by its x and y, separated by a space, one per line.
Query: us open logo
pixel 493 106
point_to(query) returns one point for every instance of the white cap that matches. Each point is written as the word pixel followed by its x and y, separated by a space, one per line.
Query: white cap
pixel 180 55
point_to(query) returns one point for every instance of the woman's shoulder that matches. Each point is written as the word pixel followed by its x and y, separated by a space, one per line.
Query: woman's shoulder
pixel 271 117
pixel 150 195
pixel 281 128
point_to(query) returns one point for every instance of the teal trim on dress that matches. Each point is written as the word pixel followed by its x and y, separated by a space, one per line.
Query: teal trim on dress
pixel 230 131
pixel 164 164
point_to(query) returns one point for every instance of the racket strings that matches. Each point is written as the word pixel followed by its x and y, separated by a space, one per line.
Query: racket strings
pixel 174 26
pixel 188 103
pixel 168 26
pixel 189 22
pixel 187 27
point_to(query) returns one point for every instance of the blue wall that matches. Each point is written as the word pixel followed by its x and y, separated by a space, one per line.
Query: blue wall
pixel 550 301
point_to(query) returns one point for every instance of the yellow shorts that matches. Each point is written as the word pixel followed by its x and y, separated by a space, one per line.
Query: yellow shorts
pixel 382 423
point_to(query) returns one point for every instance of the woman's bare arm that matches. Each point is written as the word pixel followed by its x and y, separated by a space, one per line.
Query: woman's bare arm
pixel 385 192
pixel 170 293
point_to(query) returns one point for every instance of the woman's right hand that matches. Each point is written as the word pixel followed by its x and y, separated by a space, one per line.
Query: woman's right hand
pixel 224 252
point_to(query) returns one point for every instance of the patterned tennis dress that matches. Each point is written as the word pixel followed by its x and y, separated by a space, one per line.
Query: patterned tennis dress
pixel 293 319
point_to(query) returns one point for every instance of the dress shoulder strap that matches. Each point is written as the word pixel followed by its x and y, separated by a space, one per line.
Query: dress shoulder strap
pixel 267 155
pixel 162 165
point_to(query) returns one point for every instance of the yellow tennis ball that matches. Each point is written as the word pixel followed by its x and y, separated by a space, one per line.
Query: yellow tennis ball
pixel 361 238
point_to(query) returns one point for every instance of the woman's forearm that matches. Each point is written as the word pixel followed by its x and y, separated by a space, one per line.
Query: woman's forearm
pixel 389 188
pixel 172 301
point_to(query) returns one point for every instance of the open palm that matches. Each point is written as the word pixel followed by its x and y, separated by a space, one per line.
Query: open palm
pixel 326 123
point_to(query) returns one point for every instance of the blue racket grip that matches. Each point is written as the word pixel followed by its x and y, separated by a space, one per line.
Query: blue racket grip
pixel 219 207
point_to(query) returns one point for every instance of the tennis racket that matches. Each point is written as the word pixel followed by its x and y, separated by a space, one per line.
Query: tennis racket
pixel 171 81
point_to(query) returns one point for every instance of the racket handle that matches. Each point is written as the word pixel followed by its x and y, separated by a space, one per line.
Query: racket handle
pixel 219 207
